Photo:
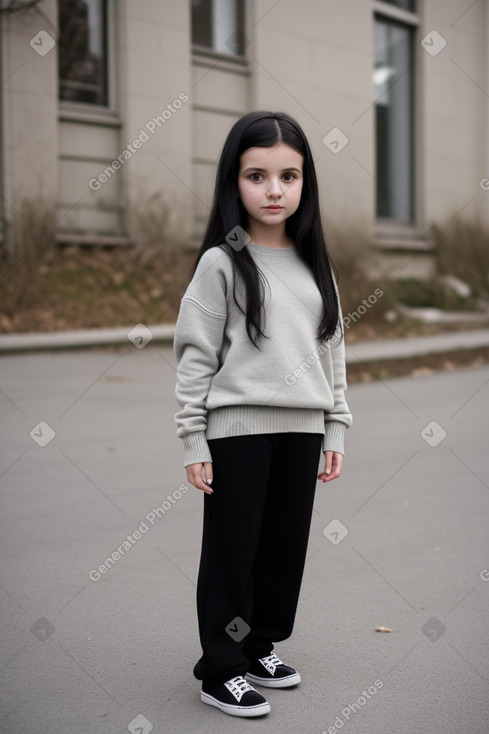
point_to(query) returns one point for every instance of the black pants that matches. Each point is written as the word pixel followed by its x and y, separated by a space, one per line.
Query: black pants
pixel 255 534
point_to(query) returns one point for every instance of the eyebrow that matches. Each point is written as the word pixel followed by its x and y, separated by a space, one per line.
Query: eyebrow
pixel 263 170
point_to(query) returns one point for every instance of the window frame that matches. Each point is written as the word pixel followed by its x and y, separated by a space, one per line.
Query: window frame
pixel 387 225
pixel 208 52
pixel 70 109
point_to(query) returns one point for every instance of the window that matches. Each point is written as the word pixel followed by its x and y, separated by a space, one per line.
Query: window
pixel 218 25
pixel 83 51
pixel 402 4
pixel 393 80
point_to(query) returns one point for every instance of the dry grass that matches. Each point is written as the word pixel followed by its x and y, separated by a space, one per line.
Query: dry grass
pixel 48 288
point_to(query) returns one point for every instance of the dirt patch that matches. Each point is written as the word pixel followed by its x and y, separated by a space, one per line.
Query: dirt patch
pixel 82 288
pixel 416 366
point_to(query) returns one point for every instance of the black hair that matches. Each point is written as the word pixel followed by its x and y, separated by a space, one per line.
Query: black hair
pixel 266 129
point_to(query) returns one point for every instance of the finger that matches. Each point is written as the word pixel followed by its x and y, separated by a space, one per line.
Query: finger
pixel 194 475
pixel 328 461
pixel 338 463
pixel 333 462
pixel 208 475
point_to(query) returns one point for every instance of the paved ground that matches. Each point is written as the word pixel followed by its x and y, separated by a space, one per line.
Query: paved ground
pixel 84 652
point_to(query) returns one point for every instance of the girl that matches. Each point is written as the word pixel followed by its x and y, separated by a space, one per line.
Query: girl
pixel 260 383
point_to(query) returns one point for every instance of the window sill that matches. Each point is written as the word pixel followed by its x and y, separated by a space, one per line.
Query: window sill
pixel 72 112
pixel 207 57
pixel 391 235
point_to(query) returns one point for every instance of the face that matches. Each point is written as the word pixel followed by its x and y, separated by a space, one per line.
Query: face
pixel 270 183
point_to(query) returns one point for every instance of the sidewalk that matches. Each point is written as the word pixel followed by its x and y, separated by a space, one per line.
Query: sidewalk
pixel 140 335
pixel 100 543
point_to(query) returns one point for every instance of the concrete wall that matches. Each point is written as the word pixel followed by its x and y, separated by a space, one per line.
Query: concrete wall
pixel 311 58
pixel 28 126
pixel 154 72
pixel 220 95
pixel 455 112
pixel 146 129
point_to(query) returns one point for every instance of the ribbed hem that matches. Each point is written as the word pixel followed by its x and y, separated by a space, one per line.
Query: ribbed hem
pixel 273 251
pixel 334 437
pixel 239 420
pixel 195 448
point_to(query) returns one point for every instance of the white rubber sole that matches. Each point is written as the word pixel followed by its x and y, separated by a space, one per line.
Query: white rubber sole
pixel 287 682
pixel 235 710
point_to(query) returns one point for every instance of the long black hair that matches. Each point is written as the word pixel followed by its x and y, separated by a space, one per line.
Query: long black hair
pixel 262 129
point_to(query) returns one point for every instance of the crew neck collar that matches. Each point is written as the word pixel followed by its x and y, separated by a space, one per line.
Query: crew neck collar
pixel 263 250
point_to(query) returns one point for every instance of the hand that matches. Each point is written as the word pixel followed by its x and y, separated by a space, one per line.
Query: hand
pixel 333 461
pixel 194 475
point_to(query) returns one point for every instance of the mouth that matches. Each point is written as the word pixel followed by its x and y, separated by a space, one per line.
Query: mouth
pixel 274 208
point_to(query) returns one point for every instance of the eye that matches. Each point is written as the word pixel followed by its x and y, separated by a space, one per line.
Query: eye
pixel 288 177
pixel 255 177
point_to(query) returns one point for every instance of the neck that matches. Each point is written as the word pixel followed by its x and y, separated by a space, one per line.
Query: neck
pixel 269 236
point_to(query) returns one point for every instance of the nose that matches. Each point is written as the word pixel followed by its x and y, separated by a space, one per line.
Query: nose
pixel 274 190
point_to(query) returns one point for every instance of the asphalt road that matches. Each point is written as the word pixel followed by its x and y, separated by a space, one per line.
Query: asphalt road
pixel 90 463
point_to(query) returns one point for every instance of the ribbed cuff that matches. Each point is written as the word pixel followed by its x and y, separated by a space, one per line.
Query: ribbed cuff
pixel 196 448
pixel 334 437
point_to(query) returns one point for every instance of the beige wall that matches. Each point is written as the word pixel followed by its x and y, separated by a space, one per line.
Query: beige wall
pixel 29 106
pixel 154 70
pixel 455 112
pixel 220 94
pixel 149 69
pixel 311 58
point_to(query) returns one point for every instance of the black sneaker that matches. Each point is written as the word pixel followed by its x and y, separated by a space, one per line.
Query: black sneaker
pixel 235 697
pixel 273 673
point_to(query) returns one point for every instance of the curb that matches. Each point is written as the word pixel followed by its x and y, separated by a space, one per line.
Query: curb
pixel 141 335
pixel 86 338
pixel 420 346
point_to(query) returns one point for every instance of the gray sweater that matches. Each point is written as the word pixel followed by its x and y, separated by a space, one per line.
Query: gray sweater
pixel 227 387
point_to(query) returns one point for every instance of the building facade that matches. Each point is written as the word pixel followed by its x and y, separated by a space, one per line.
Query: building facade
pixel 115 111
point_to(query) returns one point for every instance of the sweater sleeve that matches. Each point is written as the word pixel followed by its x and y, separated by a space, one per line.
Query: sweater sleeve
pixel 197 345
pixel 339 418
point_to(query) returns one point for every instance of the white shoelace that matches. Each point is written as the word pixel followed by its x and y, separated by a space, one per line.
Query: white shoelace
pixel 238 686
pixel 271 662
